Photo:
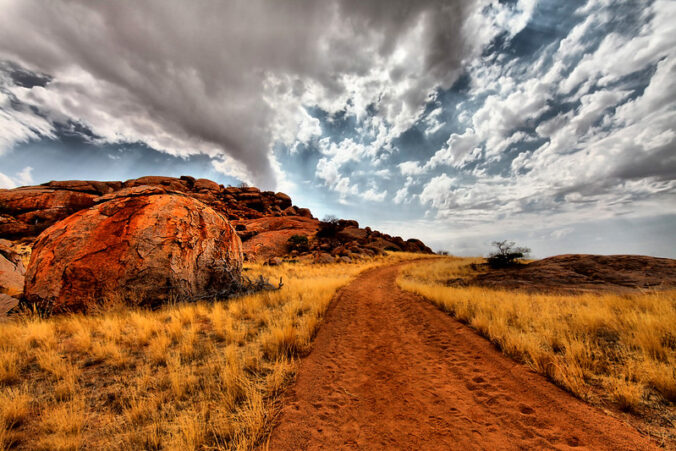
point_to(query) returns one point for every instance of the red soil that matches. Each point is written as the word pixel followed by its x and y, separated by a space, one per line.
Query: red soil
pixel 390 371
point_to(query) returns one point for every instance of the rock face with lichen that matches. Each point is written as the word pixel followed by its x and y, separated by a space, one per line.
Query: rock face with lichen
pixel 141 245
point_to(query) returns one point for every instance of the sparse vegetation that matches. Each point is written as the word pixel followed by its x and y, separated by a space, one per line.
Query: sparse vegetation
pixel 299 243
pixel 328 227
pixel 506 254
pixel 187 376
pixel 604 348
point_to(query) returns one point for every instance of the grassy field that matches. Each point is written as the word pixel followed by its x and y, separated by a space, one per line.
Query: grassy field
pixel 601 347
pixel 190 376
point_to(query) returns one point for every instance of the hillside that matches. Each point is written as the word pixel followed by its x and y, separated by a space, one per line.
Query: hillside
pixel 25 212
pixel 583 273
pixel 92 233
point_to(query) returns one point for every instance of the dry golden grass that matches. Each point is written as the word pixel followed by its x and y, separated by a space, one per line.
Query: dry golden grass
pixel 618 348
pixel 190 376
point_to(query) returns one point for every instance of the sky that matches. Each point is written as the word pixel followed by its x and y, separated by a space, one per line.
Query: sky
pixel 459 122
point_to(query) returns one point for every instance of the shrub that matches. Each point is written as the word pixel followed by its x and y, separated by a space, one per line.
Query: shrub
pixel 506 254
pixel 298 243
pixel 329 227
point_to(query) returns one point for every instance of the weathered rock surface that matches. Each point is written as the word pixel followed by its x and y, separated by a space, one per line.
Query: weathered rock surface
pixel 27 211
pixel 141 245
pixel 12 270
pixel 267 219
pixel 30 210
pixel 264 238
pixel 7 303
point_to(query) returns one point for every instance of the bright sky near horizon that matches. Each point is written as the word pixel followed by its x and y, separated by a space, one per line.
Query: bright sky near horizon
pixel 457 122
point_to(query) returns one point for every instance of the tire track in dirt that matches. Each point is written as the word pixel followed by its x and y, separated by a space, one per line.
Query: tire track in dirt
pixel 390 371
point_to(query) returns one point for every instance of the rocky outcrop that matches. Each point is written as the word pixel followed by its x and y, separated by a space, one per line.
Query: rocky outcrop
pixel 25 212
pixel 12 270
pixel 28 211
pixel 264 238
pixel 265 219
pixel 142 245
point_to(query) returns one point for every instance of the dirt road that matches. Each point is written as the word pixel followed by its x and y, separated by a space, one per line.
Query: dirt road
pixel 390 371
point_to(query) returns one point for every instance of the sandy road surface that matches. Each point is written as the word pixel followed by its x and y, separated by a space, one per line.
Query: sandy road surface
pixel 390 371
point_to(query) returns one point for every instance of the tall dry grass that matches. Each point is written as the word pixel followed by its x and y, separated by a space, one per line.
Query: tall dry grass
pixel 191 376
pixel 601 347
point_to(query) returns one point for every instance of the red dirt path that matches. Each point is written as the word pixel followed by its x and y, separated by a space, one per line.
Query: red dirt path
pixel 390 371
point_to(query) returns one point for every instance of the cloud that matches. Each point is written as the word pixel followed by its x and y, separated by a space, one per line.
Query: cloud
pixel 410 168
pixel 21 178
pixel 402 194
pixel 560 233
pixel 232 78
pixel 520 113
pixel 6 182
pixel 542 141
pixel 17 123
pixel 24 177
pixel 374 196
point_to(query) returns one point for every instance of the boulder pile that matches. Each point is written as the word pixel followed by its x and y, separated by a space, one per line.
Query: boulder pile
pixel 149 239
pixel 25 212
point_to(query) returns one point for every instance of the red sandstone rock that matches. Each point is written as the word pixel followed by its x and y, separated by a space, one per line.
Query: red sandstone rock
pixel 168 182
pixel 290 211
pixel 12 270
pixel 305 212
pixel 141 245
pixel 25 212
pixel 205 184
pixel 274 261
pixel 22 200
pixel 10 227
pixel 352 233
pixel 283 200
pixel 85 186
pixel 36 208
pixel 268 237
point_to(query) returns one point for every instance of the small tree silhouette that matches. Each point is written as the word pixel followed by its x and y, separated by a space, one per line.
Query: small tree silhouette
pixel 328 227
pixel 507 254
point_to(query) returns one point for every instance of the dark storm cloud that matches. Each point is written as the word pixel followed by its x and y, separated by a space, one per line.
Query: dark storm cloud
pixel 191 77
pixel 22 77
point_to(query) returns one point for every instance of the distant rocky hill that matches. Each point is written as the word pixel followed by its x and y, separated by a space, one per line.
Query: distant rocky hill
pixel 88 239
pixel 583 273
pixel 264 218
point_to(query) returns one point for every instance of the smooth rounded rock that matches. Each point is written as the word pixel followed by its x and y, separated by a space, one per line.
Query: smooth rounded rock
pixel 141 248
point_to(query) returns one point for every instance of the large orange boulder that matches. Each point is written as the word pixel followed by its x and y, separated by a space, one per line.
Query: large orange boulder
pixel 143 246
